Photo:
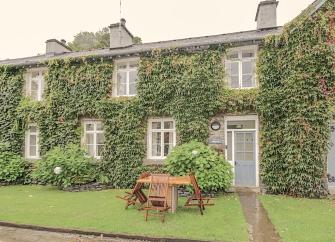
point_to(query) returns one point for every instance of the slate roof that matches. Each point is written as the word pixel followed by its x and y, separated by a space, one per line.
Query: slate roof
pixel 238 38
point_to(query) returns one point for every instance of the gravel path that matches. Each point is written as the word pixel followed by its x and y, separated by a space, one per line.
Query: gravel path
pixel 8 234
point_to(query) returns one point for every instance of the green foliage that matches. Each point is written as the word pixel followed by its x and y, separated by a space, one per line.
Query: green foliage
pixel 125 134
pixel 76 167
pixel 211 170
pixel 296 74
pixel 90 40
pixel 13 169
pixel 183 86
pixel 10 96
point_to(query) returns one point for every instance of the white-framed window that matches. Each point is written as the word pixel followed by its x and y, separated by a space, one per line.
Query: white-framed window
pixel 32 148
pixel 35 84
pixel 240 65
pixel 126 80
pixel 161 137
pixel 94 138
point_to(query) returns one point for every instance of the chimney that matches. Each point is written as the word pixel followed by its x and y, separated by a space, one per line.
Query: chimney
pixel 266 16
pixel 54 46
pixel 120 36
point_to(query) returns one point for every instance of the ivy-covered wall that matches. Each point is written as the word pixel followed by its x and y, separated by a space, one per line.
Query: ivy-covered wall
pixel 296 74
pixel 187 86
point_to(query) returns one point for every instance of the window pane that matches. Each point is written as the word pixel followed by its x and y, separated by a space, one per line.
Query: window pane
pixel 239 156
pixel 247 124
pixel 229 146
pixel 168 142
pixel 234 69
pixel 133 64
pixel 100 126
pixel 99 150
pixel 248 54
pixel 90 150
pixel 132 82
pixel 234 82
pixel 89 139
pixel 122 83
pixel 33 140
pixel 32 129
pixel 156 125
pixel 100 138
pixel 34 89
pixel 247 81
pixel 156 144
pixel 35 74
pixel 247 67
pixel 121 66
pixel 33 150
pixel 168 125
pixel 89 127
pixel 232 56
pixel 249 156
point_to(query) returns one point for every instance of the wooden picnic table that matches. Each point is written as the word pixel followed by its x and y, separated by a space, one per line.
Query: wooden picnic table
pixel 174 182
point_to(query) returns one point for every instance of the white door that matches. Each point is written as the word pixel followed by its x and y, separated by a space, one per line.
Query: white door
pixel 241 149
pixel 331 160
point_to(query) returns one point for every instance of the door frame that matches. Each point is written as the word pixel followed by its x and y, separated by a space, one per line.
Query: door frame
pixel 256 130
pixel 327 163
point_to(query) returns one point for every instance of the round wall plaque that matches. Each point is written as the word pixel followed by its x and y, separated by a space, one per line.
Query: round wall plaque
pixel 215 126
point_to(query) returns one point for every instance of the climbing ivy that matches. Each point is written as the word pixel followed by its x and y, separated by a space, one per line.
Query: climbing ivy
pixel 296 74
pixel 11 85
pixel 185 85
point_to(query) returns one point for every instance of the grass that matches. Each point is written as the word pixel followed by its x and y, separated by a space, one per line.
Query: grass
pixel 301 219
pixel 101 211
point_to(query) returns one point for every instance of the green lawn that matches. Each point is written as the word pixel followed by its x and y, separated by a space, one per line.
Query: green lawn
pixel 301 219
pixel 101 211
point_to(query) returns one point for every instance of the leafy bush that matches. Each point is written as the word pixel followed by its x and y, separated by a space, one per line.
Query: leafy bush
pixel 71 162
pixel 212 171
pixel 13 169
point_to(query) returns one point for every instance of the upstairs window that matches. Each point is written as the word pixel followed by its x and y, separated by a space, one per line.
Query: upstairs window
pixel 126 78
pixel 32 150
pixel 35 84
pixel 240 66
pixel 94 138
pixel 161 138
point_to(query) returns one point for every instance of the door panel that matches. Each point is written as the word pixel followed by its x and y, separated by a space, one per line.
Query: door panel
pixel 245 162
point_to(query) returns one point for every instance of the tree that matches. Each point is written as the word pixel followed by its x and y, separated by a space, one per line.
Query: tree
pixel 94 40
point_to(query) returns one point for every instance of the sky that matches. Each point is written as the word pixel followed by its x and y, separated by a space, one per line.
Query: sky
pixel 26 24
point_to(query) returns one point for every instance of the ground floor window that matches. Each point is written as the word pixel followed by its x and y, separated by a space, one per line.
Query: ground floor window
pixel 161 137
pixel 32 150
pixel 94 139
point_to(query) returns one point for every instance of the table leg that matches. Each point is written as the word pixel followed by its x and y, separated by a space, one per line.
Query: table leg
pixel 174 198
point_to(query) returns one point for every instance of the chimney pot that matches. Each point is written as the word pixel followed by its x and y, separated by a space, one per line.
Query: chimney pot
pixel 266 16
pixel 123 22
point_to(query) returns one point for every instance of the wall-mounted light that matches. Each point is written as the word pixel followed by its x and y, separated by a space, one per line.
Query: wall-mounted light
pixel 215 125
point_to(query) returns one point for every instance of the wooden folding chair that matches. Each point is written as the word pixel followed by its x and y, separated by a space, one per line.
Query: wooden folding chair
pixel 196 199
pixel 157 196
pixel 136 195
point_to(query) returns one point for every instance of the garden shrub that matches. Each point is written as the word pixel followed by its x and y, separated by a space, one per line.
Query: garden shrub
pixel 212 171
pixel 13 169
pixel 73 164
